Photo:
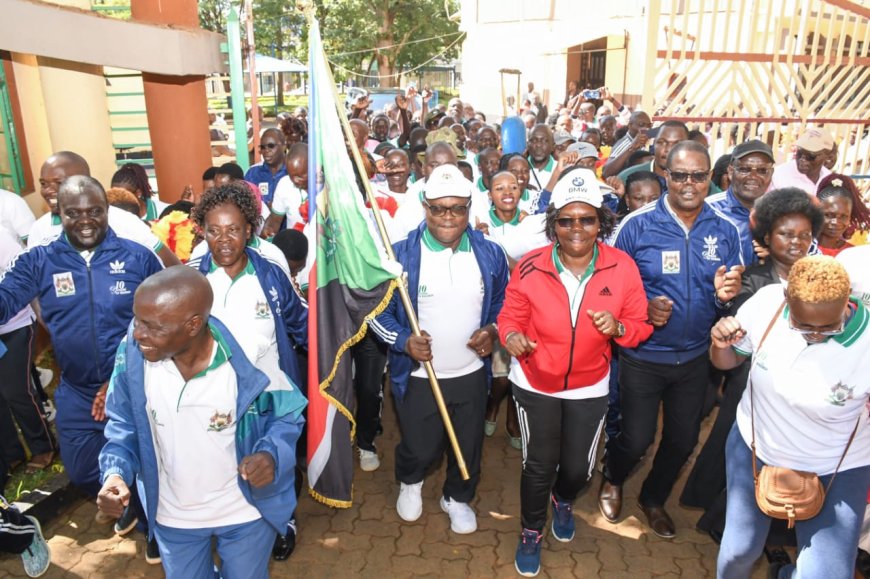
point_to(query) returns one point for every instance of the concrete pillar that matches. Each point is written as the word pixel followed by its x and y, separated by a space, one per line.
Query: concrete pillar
pixel 177 108
pixel 77 110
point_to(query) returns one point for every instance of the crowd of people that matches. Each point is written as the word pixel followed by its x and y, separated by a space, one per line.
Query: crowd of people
pixel 605 278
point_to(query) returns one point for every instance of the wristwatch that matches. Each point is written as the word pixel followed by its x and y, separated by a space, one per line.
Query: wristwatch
pixel 620 330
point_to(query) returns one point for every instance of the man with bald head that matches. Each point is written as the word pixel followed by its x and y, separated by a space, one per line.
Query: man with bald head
pixel 84 281
pixel 65 164
pixel 266 174
pixel 291 195
pixel 205 426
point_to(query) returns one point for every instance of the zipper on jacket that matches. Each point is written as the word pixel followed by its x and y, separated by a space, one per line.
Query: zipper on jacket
pixel 93 320
pixel 688 291
pixel 574 329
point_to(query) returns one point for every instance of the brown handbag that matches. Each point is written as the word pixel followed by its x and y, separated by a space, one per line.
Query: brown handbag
pixel 784 493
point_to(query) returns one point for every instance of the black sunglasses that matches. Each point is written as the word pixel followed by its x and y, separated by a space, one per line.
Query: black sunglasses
pixel 683 176
pixel 455 210
pixel 568 222
pixel 269 146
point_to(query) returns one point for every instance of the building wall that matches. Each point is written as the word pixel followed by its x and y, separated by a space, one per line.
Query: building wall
pixel 536 36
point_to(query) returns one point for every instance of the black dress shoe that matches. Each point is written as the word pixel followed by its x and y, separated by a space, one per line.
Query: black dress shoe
pixel 659 521
pixel 284 544
pixel 610 501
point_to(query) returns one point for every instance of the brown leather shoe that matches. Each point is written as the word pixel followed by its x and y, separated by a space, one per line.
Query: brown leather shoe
pixel 659 521
pixel 610 501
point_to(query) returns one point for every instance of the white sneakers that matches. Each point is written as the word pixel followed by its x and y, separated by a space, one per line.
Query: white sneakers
pixel 368 460
pixel 462 518
pixel 410 506
pixel 410 503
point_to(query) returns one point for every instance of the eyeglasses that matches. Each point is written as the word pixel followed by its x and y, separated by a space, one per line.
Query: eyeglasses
pixel 568 222
pixel 808 332
pixel 454 210
pixel 696 177
pixel 269 146
pixel 760 171
pixel 801 153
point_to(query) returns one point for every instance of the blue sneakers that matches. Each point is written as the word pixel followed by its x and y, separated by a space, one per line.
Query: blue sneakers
pixel 528 559
pixel 563 520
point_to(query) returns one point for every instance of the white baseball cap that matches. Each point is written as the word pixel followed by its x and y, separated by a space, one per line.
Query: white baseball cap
pixel 578 185
pixel 447 181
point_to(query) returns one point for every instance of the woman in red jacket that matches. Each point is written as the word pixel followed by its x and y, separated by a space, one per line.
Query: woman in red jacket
pixel 563 306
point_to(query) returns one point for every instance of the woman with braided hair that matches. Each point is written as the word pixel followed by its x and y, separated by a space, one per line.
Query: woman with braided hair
pixel 845 213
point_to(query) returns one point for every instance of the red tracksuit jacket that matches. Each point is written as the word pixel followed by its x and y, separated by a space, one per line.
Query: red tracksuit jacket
pixel 537 305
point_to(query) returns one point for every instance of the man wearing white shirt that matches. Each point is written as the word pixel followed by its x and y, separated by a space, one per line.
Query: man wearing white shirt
pixel 66 164
pixel 207 429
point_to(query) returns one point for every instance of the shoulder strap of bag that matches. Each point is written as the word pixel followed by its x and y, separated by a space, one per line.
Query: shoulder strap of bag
pixel 752 407
pixel 749 384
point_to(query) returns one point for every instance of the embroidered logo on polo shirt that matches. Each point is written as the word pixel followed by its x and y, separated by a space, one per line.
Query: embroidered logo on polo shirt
pixel 761 360
pixel 116 267
pixel 711 244
pixel 605 292
pixel 64 285
pixel 154 418
pixel 261 311
pixel 840 393
pixel 120 288
pixel 220 421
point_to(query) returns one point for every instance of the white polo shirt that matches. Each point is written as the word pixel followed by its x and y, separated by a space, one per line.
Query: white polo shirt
pixel 10 247
pixel 449 305
pixel 240 303
pixel 287 201
pixel 266 249
pixel 518 236
pixel 856 260
pixel 575 287
pixel 15 214
pixel 807 397
pixel 193 424
pixel 123 223
pixel 540 177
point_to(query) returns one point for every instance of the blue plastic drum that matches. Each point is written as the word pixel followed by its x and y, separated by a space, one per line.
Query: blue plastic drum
pixel 513 135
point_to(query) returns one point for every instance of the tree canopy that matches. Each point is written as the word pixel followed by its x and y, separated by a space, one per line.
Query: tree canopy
pixel 352 31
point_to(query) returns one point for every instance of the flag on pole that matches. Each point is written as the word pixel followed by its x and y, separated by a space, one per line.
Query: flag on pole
pixel 351 281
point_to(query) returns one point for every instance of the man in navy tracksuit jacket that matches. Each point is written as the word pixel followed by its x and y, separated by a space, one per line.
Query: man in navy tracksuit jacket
pixel 456 282
pixel 689 256
pixel 85 280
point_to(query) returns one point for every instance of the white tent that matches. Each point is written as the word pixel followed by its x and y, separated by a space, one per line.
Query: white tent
pixel 264 63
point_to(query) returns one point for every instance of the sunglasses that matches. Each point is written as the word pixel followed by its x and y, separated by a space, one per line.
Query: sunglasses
pixel 269 146
pixel 454 210
pixel 682 176
pixel 760 171
pixel 806 155
pixel 568 222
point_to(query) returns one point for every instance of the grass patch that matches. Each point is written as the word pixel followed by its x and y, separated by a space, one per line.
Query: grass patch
pixel 20 482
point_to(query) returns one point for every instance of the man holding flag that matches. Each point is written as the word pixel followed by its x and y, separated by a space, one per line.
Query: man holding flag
pixel 454 268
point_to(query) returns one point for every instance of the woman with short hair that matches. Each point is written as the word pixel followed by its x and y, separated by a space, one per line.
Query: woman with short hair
pixel 564 304
pixel 804 409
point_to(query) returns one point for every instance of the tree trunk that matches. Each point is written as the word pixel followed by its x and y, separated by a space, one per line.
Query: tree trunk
pixel 280 89
pixel 386 61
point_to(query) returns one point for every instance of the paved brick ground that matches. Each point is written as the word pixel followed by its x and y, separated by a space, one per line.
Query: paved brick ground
pixel 370 540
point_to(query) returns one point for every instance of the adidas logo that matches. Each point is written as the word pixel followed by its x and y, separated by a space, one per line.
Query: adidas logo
pixel 605 292
pixel 116 267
